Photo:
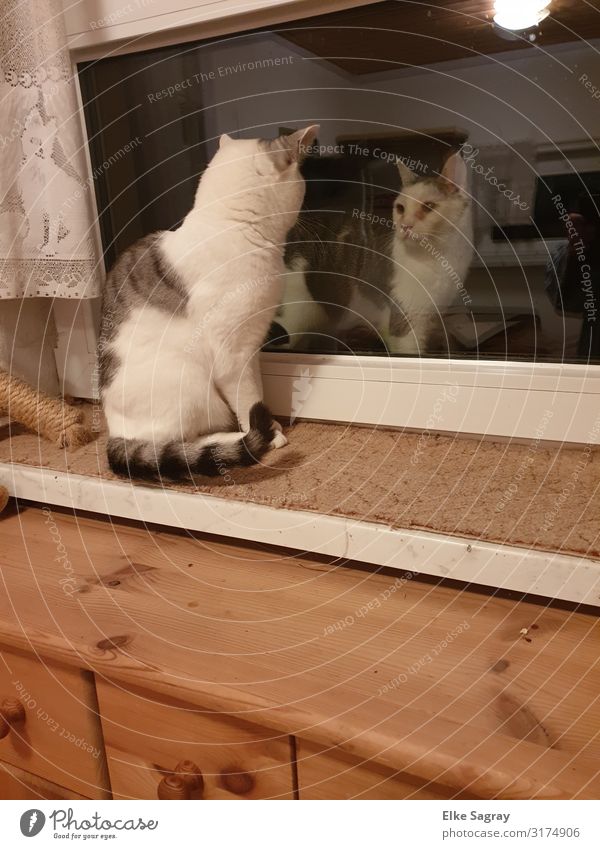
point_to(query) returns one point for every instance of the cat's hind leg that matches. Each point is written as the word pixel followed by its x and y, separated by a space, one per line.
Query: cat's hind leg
pixel 280 439
pixel 242 393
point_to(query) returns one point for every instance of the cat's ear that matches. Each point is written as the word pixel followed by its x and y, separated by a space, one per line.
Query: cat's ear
pixel 454 173
pixel 286 150
pixel 406 175
pixel 300 142
pixel 225 139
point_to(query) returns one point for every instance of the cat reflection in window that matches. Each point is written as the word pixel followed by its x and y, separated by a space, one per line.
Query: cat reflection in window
pixel 432 251
pixel 355 283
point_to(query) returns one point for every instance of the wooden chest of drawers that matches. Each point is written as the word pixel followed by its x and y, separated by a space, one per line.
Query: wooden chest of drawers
pixel 52 728
pixel 245 677
pixel 148 736
pixel 331 774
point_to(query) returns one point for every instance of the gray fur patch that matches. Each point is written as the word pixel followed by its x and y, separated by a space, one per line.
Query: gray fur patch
pixel 140 277
pixel 341 260
pixel 399 323
pixel 108 363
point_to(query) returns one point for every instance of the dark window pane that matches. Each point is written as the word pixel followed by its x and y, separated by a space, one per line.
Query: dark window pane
pixel 483 243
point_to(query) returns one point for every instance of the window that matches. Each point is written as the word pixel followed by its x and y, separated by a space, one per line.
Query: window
pixel 453 195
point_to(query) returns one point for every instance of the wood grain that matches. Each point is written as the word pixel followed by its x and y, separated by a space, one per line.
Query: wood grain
pixel 332 774
pixel 393 35
pixel 60 738
pixel 485 695
pixel 15 783
pixel 238 760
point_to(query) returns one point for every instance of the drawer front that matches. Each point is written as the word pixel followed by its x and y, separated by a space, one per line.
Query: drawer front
pixel 147 736
pixel 329 774
pixel 53 730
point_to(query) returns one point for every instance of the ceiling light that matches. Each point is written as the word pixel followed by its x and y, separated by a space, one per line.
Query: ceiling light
pixel 520 14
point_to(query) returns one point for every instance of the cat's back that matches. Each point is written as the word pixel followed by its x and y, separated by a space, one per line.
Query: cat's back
pixel 142 293
pixel 142 276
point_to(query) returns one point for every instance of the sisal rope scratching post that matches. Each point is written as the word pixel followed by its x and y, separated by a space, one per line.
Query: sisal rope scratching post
pixel 49 417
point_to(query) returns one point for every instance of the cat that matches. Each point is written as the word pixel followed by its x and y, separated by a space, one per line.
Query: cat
pixel 336 260
pixel 432 251
pixel 186 311
pixel 355 283
pixel 335 286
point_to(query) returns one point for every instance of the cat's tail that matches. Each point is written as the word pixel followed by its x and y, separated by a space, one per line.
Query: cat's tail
pixel 177 460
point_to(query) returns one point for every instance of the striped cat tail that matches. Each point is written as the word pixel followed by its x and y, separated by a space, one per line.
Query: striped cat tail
pixel 178 460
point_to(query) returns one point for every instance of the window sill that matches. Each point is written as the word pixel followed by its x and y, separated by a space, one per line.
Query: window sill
pixel 507 567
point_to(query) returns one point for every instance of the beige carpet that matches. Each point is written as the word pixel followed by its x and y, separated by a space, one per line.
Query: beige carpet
pixel 528 495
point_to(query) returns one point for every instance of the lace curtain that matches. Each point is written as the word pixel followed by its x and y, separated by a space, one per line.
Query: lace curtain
pixel 46 210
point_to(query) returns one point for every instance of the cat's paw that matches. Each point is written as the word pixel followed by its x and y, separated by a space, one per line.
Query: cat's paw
pixel 404 345
pixel 279 440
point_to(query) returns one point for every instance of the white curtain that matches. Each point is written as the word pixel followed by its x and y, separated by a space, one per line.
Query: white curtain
pixel 47 246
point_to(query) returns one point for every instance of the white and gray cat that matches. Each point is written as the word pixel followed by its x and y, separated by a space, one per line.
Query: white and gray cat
pixel 395 287
pixel 185 313
pixel 431 251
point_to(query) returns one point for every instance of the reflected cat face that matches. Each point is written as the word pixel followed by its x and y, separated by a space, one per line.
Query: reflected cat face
pixel 432 206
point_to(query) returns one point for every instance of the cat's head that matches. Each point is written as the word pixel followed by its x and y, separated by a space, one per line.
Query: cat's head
pixel 431 207
pixel 261 179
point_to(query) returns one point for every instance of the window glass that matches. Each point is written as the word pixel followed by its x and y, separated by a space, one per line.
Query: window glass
pixel 453 194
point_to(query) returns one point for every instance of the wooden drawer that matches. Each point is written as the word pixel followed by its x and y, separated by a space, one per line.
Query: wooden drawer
pixel 331 774
pixel 59 736
pixel 147 735
pixel 15 783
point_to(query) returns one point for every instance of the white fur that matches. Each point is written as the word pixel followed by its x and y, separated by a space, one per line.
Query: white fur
pixel 181 377
pixel 300 314
pixel 431 251
pixel 305 320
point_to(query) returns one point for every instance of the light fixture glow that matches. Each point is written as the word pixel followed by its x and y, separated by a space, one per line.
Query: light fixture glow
pixel 520 14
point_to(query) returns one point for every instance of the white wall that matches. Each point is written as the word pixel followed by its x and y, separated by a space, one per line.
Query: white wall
pixel 27 339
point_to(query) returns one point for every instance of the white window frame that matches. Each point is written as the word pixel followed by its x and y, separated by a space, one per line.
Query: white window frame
pixel 497 398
